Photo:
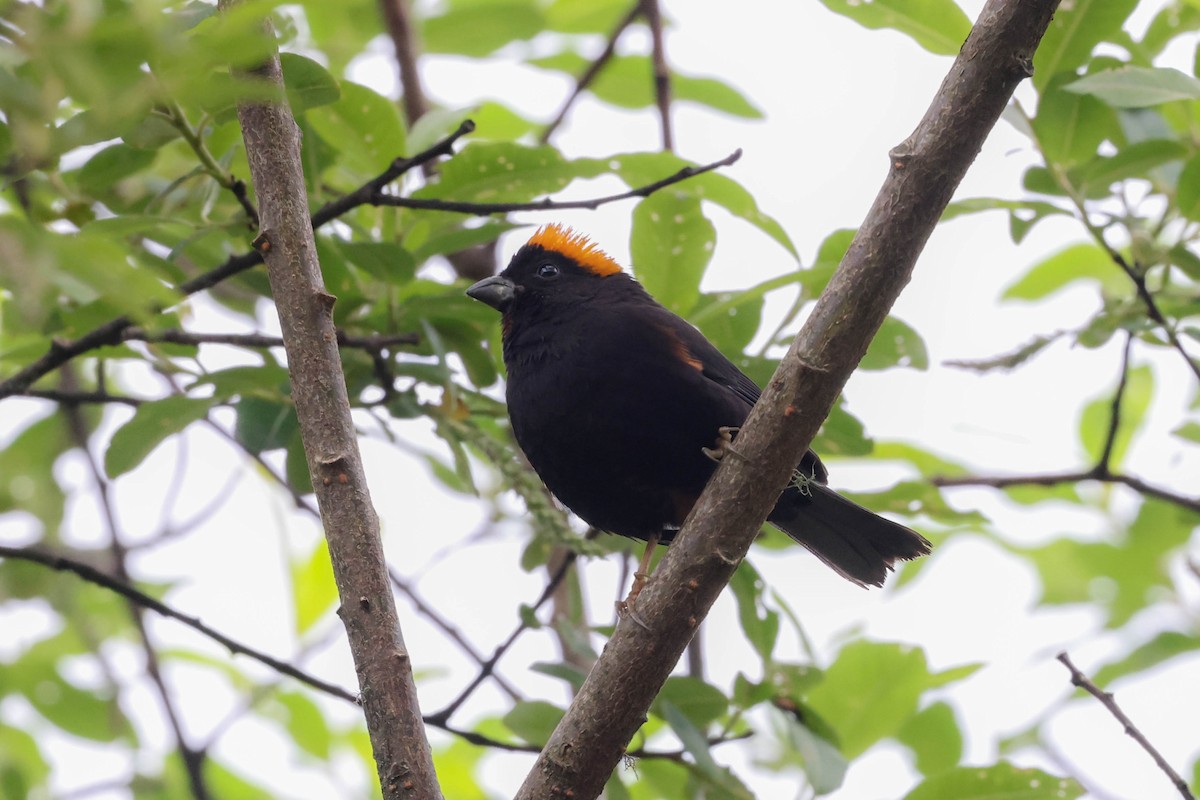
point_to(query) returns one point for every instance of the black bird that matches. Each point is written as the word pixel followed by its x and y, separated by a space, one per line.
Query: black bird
pixel 617 404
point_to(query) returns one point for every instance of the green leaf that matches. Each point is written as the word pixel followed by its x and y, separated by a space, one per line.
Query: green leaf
pixel 732 329
pixel 1158 650
pixel 303 720
pixel 1136 160
pixel 939 26
pixel 112 165
pixel 1000 781
pixel 869 692
pixel 700 702
pixel 1095 420
pixel 715 94
pixel 533 720
pixel 1138 87
pixel 1075 30
pixel 23 769
pixel 308 83
pixel 1189 431
pixel 313 589
pixel 264 424
pixel 896 345
pixel 1071 125
pixel 481 27
pixel 715 777
pixel 151 424
pixel 363 126
pixel 759 623
pixel 824 766
pixel 671 244
pixel 934 737
pixel 1188 196
pixel 1080 262
pixel 505 172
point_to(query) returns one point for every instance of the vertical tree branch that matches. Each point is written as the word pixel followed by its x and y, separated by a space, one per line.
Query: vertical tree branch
pixel 398 17
pixel 926 168
pixel 368 610
pixel 662 73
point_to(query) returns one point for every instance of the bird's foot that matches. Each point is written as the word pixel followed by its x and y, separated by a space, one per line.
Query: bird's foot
pixel 625 608
pixel 724 444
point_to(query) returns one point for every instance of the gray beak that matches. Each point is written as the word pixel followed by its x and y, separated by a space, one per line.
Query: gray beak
pixel 496 291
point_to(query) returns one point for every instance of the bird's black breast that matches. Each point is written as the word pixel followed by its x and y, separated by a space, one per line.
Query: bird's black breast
pixel 612 413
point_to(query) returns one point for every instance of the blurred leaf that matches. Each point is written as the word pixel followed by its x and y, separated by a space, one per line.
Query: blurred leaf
pixel 303 721
pixel 1070 125
pixel 759 623
pixel 313 589
pixel 671 244
pixel 27 479
pixel 1075 263
pixel 308 83
pixel 264 424
pixel 1137 160
pixel 533 720
pixel 824 766
pixel 1075 30
pixel 842 434
pixel 869 692
pixel 1188 196
pixel 1096 419
pixel 23 769
pixel 701 703
pixel 719 781
pixel 1162 648
pixel 1138 87
pixel 939 26
pixel 896 345
pixel 223 782
pixel 151 424
pixel 1001 780
pixel 363 126
pixel 934 737
pixel 112 164
pixel 505 172
pixel 480 27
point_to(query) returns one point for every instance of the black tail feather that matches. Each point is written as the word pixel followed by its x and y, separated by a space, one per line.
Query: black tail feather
pixel 859 544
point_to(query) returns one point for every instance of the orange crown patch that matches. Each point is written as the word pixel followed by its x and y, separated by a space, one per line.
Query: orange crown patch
pixel 575 246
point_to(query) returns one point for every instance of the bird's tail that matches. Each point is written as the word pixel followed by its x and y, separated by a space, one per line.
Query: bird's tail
pixel 859 544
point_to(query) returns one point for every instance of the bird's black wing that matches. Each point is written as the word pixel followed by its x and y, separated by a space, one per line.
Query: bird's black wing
pixel 720 370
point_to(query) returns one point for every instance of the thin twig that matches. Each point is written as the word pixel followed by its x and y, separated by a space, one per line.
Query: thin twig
pixel 1114 417
pixel 546 204
pixel 174 114
pixel 1057 478
pixel 398 17
pixel 1106 699
pixel 448 628
pixel 489 666
pixel 90 574
pixel 193 759
pixel 662 73
pixel 588 75
pixel 371 342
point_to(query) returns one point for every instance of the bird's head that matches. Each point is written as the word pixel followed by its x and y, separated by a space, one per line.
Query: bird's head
pixel 557 266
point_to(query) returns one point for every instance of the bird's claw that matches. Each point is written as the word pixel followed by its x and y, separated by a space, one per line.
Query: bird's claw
pixel 724 444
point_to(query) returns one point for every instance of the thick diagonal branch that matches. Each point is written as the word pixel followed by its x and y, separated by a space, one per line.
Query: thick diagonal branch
pixel 926 168
pixel 385 674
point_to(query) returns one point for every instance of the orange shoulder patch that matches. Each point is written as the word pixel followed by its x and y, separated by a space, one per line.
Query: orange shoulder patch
pixel 575 246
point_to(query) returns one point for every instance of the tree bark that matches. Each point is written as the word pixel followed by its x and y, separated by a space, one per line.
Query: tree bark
pixel 926 169
pixel 387 691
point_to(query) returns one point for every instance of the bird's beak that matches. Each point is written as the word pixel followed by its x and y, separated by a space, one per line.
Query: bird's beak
pixel 498 292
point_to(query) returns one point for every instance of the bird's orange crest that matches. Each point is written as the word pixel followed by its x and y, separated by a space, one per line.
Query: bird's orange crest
pixel 576 246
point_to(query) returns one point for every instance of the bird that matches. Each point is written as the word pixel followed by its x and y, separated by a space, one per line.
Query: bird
pixel 622 407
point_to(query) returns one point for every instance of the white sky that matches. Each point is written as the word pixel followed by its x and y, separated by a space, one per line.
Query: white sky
pixel 836 98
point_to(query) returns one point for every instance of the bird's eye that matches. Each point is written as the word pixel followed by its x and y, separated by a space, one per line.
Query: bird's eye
pixel 547 271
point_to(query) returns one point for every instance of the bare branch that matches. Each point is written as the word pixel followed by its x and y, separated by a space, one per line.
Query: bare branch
pixel 398 17
pixel 662 73
pixel 925 169
pixel 546 204
pixel 368 609
pixel 593 69
pixel 1106 699
pixel 1057 478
